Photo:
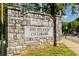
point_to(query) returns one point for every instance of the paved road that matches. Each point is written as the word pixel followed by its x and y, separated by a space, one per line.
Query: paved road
pixel 71 45
pixel 74 38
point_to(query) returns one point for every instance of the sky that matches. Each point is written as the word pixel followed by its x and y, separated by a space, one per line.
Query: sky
pixel 69 17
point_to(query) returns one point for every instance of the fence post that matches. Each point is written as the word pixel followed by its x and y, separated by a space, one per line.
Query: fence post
pixel 2 48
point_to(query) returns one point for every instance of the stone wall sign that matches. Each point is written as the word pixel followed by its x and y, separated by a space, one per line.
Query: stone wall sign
pixel 31 29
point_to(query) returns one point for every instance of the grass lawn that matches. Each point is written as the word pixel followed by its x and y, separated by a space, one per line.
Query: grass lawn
pixel 52 51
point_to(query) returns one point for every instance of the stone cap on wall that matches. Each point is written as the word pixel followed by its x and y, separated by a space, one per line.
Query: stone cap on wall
pixel 45 14
pixel 32 12
pixel 14 8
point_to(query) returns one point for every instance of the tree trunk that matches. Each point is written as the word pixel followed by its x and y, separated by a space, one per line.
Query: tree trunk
pixel 53 13
pixel 54 21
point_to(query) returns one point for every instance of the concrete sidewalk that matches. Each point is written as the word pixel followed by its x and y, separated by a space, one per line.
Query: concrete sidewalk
pixel 71 45
pixel 74 38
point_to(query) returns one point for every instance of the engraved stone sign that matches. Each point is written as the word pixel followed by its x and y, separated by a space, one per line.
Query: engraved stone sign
pixel 38 31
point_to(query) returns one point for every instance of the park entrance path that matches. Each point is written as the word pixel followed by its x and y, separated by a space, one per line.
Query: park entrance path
pixel 71 45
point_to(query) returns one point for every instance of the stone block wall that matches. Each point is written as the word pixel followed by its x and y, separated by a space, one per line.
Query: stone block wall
pixel 58 29
pixel 29 30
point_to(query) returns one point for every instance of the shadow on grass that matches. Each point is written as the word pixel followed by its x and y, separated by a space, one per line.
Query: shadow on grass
pixel 61 50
